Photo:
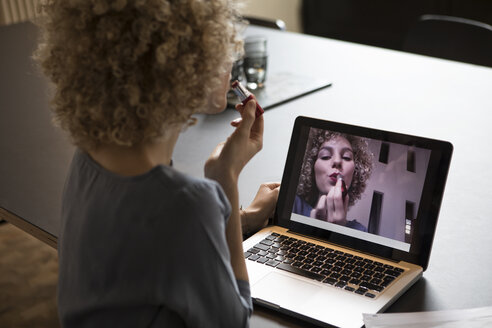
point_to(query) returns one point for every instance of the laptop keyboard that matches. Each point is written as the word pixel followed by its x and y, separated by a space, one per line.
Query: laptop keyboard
pixel 343 270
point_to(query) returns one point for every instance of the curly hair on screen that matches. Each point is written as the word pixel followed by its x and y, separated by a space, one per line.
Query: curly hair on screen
pixel 126 69
pixel 363 159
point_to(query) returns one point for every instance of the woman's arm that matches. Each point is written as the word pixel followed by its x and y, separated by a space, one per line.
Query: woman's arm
pixel 225 164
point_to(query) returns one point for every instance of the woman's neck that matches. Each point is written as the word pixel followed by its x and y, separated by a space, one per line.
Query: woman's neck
pixel 137 159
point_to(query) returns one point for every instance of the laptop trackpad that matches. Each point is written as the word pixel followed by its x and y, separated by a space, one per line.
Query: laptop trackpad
pixel 284 291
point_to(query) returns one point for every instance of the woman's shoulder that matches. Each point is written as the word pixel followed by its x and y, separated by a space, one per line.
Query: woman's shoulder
pixel 174 179
pixel 162 183
pixel 201 194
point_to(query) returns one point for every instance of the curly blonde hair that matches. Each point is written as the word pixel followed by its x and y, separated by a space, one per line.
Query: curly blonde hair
pixel 126 69
pixel 363 159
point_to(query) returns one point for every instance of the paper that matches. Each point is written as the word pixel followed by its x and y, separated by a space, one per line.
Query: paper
pixel 469 318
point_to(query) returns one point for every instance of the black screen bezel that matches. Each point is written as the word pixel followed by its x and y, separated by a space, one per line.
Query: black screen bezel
pixel 428 212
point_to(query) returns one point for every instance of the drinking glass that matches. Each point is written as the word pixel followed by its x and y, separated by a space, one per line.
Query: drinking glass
pixel 255 61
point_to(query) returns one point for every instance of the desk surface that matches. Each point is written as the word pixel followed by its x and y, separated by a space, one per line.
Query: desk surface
pixel 371 87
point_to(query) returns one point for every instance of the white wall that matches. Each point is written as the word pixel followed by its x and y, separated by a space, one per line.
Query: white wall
pixel 15 11
pixel 398 186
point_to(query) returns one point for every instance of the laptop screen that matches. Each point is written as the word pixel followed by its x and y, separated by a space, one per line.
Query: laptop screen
pixel 363 188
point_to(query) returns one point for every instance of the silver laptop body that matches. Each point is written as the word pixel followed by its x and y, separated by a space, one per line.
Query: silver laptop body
pixel 290 262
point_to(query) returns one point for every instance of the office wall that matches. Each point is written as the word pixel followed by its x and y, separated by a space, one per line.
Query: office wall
pixel 14 11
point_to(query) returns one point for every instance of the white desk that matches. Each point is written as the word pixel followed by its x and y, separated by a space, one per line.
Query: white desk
pixel 371 87
pixel 399 92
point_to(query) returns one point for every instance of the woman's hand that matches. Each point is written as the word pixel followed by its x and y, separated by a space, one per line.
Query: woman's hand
pixel 332 207
pixel 256 215
pixel 230 157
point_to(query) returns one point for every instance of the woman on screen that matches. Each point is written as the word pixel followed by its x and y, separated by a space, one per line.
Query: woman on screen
pixel 333 176
pixel 142 244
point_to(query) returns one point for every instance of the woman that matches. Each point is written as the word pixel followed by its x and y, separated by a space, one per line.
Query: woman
pixel 142 244
pixel 334 173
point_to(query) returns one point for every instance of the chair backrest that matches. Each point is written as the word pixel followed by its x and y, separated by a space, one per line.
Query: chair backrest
pixel 271 23
pixel 452 38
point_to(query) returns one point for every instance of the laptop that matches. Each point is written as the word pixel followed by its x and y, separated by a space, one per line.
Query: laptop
pixel 354 223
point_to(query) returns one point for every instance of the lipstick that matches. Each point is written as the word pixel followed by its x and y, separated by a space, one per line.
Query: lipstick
pixel 244 96
pixel 344 186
